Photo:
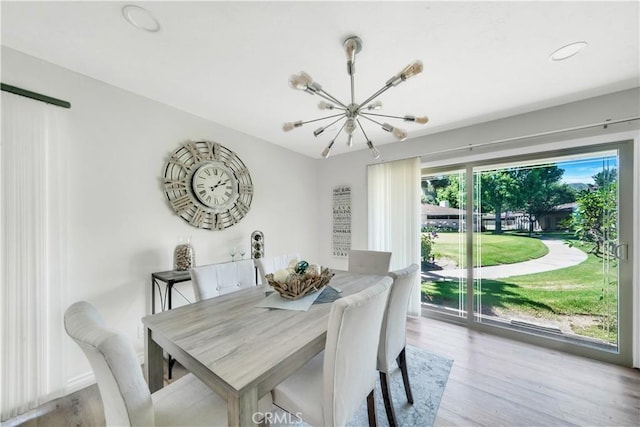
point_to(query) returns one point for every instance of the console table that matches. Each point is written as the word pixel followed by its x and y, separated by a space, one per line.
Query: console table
pixel 169 278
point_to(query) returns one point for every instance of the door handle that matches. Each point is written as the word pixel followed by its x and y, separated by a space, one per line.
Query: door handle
pixel 621 251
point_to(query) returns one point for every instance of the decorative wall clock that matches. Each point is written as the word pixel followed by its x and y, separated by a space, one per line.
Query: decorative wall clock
pixel 207 185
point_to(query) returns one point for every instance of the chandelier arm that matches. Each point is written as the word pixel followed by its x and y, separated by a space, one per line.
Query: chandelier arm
pixel 384 115
pixel 322 118
pixel 370 119
pixel 374 150
pixel 352 90
pixel 362 129
pixel 374 96
pixel 335 107
pixel 324 94
pixel 327 150
pixel 339 132
pixel 331 124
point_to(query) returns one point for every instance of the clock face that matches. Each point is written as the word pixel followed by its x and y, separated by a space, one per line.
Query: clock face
pixel 214 186
pixel 207 185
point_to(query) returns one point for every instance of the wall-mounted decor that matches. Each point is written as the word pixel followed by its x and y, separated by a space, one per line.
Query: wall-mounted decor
pixel 257 244
pixel 341 220
pixel 207 185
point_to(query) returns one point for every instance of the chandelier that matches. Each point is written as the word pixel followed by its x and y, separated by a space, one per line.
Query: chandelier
pixel 351 113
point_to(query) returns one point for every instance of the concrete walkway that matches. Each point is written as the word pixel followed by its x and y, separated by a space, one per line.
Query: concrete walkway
pixel 560 256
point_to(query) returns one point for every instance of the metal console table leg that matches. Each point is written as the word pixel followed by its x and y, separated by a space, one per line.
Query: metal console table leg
pixel 169 278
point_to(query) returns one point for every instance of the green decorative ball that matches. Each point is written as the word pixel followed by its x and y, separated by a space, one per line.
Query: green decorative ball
pixel 301 267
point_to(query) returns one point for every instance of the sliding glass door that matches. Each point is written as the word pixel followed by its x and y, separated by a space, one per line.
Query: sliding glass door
pixel 539 239
pixel 442 242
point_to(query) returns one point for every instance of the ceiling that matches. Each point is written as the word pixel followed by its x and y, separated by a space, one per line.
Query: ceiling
pixel 229 62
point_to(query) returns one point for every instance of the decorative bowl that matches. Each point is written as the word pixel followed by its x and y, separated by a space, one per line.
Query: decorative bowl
pixel 300 285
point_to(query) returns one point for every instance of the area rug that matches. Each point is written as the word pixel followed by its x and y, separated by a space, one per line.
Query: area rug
pixel 428 373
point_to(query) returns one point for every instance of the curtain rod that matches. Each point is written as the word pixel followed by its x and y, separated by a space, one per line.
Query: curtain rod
pixel 535 135
pixel 33 95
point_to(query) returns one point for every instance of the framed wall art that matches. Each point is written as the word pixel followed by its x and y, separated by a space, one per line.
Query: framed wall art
pixel 341 221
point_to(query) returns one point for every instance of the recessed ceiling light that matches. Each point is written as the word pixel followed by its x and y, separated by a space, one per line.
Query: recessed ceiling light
pixel 140 18
pixel 566 52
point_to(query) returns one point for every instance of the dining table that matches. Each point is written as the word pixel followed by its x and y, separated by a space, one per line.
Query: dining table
pixel 239 350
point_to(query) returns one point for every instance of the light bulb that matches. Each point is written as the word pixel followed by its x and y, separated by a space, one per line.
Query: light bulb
pixel 295 82
pixel 325 106
pixel 350 140
pixel 300 81
pixel 318 131
pixel 374 151
pixel 374 105
pixel 291 125
pixel 407 72
pixel 399 133
pixel 350 126
pixel 308 80
pixel 411 70
pixel 327 150
pixel 419 120
pixel 350 48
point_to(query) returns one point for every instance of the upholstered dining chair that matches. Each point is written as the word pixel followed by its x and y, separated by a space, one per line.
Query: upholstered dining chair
pixel 393 336
pixel 328 390
pixel 125 394
pixel 272 264
pixel 218 279
pixel 369 262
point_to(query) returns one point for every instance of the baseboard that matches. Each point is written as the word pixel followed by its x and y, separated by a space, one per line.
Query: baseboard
pixel 79 382
pixel 85 380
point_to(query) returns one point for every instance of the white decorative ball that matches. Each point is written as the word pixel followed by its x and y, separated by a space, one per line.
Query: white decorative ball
pixel 293 263
pixel 281 275
pixel 314 270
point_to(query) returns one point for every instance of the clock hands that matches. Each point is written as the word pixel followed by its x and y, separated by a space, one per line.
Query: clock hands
pixel 219 184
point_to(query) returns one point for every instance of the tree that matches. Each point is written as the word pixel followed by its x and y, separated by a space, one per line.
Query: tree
pixel 605 177
pixel 451 192
pixel 540 190
pixel 430 187
pixel 498 189
pixel 596 216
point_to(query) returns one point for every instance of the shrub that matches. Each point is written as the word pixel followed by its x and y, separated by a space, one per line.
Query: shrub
pixel 426 245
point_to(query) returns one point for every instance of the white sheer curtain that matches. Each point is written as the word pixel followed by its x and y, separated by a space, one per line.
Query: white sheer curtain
pixel 32 253
pixel 394 215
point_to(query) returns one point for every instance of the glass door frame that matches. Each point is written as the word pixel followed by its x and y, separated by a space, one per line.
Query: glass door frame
pixel 623 355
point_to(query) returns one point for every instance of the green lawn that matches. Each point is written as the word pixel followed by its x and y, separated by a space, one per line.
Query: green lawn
pixel 577 290
pixel 496 249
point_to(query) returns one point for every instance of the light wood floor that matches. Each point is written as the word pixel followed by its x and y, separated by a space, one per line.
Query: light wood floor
pixel 493 382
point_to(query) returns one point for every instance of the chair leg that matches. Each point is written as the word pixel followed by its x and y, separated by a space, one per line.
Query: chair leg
pixel 371 408
pixel 402 363
pixel 386 397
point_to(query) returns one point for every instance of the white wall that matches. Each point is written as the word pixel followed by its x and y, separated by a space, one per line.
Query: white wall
pixel 120 227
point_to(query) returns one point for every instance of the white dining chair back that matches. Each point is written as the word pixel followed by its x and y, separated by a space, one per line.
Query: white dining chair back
pixel 348 364
pixel 369 262
pixel 218 279
pixel 270 265
pixel 393 335
pixel 329 389
pixel 125 394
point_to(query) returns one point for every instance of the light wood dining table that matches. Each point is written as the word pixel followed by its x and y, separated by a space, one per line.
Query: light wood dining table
pixel 242 352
